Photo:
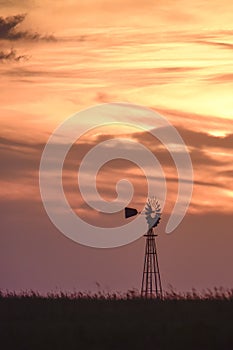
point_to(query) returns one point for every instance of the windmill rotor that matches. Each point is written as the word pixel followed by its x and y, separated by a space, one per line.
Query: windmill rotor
pixel 153 212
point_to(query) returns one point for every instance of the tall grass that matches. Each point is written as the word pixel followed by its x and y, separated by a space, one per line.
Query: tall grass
pixel 112 321
pixel 217 293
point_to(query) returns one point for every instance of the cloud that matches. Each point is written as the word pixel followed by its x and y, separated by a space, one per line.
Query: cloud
pixel 215 43
pixel 200 141
pixel 102 97
pixel 9 142
pixel 226 173
pixel 11 56
pixel 12 3
pixel 180 117
pixel 221 78
pixel 204 140
pixel 8 30
pixel 21 160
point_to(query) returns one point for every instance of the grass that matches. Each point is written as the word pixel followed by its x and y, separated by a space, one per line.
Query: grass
pixel 70 321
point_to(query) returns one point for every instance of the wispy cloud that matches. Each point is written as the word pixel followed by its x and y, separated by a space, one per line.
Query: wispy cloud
pixel 9 30
pixel 11 56
pixel 223 45
pixel 221 78
pixel 192 138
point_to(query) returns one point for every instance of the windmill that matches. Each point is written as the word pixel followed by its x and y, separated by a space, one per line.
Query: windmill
pixel 151 281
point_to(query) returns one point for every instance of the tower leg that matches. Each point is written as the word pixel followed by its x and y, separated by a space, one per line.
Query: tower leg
pixel 151 280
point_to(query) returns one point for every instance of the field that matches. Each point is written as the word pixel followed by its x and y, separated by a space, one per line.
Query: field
pixel 61 321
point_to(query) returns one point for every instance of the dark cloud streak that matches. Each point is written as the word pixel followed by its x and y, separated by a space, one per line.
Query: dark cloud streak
pixel 20 157
pixel 221 78
pixel 197 140
pixel 11 56
pixel 219 44
pixel 8 30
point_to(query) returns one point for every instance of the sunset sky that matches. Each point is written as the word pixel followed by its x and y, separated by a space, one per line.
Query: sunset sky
pixel 57 58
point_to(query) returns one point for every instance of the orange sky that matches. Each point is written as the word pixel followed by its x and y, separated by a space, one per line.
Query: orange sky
pixel 175 57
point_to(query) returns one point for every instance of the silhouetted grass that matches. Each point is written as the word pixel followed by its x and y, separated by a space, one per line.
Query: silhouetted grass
pixel 29 320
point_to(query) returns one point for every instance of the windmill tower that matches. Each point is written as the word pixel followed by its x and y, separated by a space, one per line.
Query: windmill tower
pixel 151 280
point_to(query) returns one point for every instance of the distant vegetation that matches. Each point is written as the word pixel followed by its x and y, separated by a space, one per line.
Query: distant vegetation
pixel 114 321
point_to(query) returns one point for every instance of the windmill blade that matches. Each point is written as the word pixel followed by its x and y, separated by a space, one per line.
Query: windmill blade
pixel 148 209
pixel 153 222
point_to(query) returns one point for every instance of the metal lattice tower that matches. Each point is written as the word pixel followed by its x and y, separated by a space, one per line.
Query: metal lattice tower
pixel 151 281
